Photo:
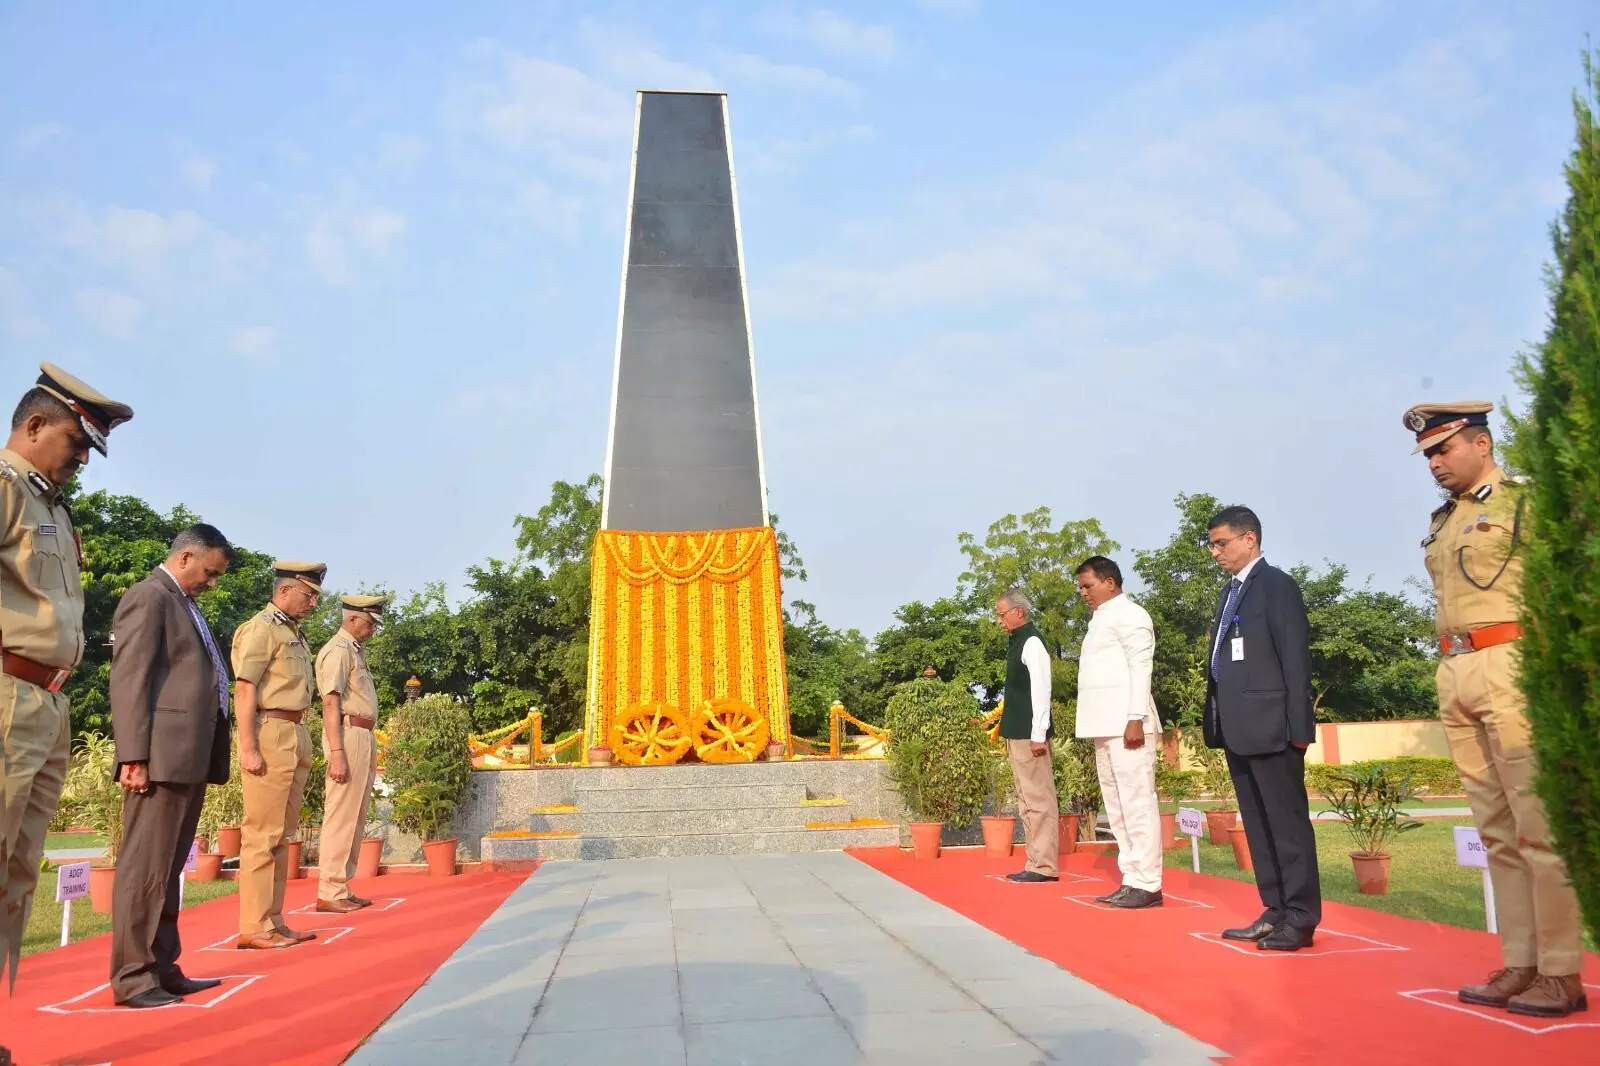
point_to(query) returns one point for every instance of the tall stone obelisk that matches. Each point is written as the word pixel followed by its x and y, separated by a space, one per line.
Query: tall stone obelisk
pixel 684 450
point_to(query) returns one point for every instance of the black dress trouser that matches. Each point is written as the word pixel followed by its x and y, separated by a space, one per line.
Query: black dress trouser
pixel 1277 824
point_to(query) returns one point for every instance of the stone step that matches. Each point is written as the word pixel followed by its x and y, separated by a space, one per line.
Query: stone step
pixel 696 773
pixel 651 845
pixel 715 796
pixel 676 822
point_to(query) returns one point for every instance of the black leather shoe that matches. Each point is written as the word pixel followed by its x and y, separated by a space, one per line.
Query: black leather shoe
pixel 1112 896
pixel 188 986
pixel 1254 931
pixel 1285 938
pixel 5 1057
pixel 1135 898
pixel 1028 877
pixel 151 997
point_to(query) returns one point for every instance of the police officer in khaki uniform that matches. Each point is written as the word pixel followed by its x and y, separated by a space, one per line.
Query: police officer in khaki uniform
pixel 1471 554
pixel 41 623
pixel 349 715
pixel 274 687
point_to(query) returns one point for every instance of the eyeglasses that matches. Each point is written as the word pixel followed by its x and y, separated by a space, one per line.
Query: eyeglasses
pixel 1215 546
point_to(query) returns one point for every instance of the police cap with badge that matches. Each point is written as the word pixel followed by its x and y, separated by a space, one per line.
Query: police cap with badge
pixel 1435 423
pixel 96 413
pixel 371 606
pixel 310 575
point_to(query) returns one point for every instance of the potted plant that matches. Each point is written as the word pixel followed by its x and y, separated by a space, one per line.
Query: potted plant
pixel 429 770
pixel 222 815
pixel 1173 786
pixel 938 758
pixel 1000 828
pixel 1368 801
pixel 369 860
pixel 97 797
pixel 1218 784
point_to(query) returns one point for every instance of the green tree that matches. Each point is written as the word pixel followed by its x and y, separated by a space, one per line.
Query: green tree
pixel 1555 445
pixel 1371 651
pixel 825 664
pixel 952 635
pixel 1025 552
pixel 1181 582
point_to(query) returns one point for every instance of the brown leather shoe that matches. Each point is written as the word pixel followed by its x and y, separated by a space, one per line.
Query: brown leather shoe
pixel 1551 997
pixel 1501 986
pixel 358 901
pixel 337 906
pixel 263 941
pixel 296 935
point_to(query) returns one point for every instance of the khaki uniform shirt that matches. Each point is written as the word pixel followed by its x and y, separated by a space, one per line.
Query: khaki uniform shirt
pixel 271 653
pixel 1470 554
pixel 342 669
pixel 41 583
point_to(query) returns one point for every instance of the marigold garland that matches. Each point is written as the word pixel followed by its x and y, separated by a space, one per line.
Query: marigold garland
pixel 651 734
pixel 682 618
pixel 730 730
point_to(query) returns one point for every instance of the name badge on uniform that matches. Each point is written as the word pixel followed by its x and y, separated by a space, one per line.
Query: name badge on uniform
pixel 46 527
pixel 1238 649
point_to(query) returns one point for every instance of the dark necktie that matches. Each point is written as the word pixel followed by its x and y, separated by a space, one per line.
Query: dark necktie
pixel 1234 588
pixel 216 656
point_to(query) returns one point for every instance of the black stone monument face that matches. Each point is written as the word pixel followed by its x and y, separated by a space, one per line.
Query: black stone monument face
pixel 685 446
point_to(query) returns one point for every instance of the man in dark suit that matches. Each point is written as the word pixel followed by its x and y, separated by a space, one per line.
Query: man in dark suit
pixel 1259 711
pixel 169 714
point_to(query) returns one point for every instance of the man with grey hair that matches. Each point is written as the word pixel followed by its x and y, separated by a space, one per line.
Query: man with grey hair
pixel 1026 728
pixel 349 715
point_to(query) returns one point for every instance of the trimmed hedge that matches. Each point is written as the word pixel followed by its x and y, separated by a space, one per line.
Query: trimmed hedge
pixel 1429 775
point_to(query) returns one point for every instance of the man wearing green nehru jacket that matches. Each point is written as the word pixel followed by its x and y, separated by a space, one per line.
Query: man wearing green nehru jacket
pixel 1025 727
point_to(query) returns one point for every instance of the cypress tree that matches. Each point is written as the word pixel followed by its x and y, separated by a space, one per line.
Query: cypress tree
pixel 1556 445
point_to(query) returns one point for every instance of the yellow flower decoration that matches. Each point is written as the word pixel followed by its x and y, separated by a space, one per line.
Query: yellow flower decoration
pixel 651 734
pixel 730 730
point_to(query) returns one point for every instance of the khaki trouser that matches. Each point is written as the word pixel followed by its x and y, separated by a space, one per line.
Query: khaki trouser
pixel 1484 717
pixel 1128 785
pixel 344 815
pixel 271 817
pixel 35 745
pixel 1036 804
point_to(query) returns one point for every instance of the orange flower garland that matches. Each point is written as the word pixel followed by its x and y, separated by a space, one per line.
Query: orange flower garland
pixel 730 731
pixel 651 734
pixel 682 618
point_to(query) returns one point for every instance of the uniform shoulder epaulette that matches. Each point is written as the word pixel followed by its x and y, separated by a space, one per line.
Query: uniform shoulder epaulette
pixel 7 471
pixel 1443 508
pixel 1516 481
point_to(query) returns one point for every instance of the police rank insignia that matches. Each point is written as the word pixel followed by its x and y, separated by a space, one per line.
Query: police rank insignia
pixel 39 481
pixel 7 471
pixel 1415 420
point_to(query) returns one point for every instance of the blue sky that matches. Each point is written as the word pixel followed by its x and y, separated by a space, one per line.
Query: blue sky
pixel 357 270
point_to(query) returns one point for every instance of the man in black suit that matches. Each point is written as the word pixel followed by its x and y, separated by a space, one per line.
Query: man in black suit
pixel 1259 711
pixel 169 714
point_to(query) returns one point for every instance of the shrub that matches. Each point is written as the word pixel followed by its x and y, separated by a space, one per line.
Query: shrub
pixel 92 791
pixel 938 753
pixel 1368 800
pixel 224 804
pixel 311 805
pixel 1426 774
pixel 427 766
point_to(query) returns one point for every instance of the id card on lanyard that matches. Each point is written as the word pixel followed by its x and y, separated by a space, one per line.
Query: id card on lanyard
pixel 1237 642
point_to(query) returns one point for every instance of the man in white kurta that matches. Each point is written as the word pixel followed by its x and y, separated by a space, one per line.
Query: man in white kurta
pixel 1117 712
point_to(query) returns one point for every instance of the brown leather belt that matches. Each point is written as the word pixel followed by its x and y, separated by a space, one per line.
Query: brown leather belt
pixel 1480 638
pixel 359 723
pixel 287 716
pixel 49 678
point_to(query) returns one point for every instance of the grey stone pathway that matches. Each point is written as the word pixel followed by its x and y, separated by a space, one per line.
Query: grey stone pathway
pixel 812 959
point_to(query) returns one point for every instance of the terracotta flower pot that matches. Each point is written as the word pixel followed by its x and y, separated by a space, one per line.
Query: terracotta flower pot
pixel 925 839
pixel 777 753
pixel 371 857
pixel 599 756
pixel 228 841
pixel 207 866
pixel 441 856
pixel 1218 823
pixel 295 848
pixel 1169 832
pixel 1241 848
pixel 1372 873
pixel 1068 842
pixel 999 830
pixel 102 883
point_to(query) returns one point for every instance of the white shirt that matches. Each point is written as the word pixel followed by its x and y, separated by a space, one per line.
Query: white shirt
pixel 1114 669
pixel 1037 659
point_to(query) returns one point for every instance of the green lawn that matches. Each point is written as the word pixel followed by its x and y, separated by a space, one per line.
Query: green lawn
pixel 44 924
pixel 1424 880
pixel 73 840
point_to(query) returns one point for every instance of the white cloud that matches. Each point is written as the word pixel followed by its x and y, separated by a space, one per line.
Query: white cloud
pixel 341 240
pixel 949 7
pixel 147 247
pixel 255 344
pixel 198 172
pixel 837 35
pixel 401 151
pixel 116 314
pixel 761 71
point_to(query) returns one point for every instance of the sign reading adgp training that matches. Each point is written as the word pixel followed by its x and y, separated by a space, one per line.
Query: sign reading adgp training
pixel 72 882
pixel 1469 848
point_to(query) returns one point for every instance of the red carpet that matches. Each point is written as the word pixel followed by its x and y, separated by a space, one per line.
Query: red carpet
pixel 310 1004
pixel 1358 997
